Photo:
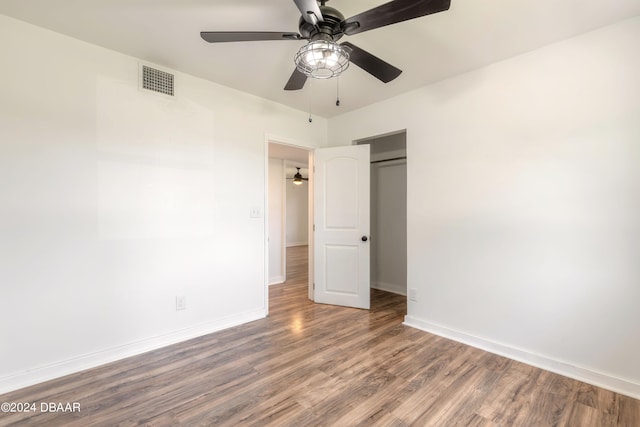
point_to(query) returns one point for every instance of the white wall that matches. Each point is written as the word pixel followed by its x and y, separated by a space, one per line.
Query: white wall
pixel 276 219
pixel 524 204
pixel 297 213
pixel 114 201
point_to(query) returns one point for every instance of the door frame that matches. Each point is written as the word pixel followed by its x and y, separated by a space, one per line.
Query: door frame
pixel 287 142
pixel 310 149
pixel 371 141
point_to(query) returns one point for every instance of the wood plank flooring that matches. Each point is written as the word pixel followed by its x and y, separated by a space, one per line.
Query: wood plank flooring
pixel 318 365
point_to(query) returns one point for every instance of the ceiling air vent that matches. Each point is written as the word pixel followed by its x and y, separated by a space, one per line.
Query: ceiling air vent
pixel 157 80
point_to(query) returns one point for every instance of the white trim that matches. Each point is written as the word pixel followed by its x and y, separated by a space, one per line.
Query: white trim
pixel 276 280
pixel 291 244
pixel 283 221
pixel 390 287
pixel 599 379
pixel 265 242
pixel 311 227
pixel 92 360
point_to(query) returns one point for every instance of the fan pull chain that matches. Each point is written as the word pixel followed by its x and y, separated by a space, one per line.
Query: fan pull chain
pixel 338 91
pixel 310 85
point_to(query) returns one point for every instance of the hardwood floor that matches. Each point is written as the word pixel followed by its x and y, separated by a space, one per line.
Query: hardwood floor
pixel 318 365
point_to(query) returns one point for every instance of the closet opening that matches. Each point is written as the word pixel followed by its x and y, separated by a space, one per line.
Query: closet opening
pixel 388 211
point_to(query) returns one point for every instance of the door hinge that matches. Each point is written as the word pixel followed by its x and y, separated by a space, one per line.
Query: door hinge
pixel 314 286
pixel 314 227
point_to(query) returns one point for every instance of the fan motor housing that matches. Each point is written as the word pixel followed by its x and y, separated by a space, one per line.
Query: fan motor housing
pixel 328 29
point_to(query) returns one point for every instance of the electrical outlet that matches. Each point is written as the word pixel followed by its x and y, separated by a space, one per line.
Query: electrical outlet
pixel 181 303
pixel 413 294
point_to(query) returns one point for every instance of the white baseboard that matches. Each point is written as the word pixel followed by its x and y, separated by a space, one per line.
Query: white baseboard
pixel 276 280
pixel 88 361
pixel 599 379
pixel 290 244
pixel 390 287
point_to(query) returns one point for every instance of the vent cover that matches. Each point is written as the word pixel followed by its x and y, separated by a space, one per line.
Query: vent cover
pixel 157 80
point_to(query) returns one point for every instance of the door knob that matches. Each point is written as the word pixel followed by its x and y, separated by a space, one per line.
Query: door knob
pixel 365 238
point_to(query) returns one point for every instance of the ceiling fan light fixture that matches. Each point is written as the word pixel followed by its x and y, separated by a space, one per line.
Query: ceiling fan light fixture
pixel 322 59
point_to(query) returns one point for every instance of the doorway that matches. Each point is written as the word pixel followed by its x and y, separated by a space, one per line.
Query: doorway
pixel 288 206
pixel 388 212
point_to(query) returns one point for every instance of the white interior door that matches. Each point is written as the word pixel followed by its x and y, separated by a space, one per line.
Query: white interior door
pixel 341 218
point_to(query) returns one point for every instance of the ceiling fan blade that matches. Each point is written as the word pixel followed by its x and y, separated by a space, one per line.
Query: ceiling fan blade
pixel 371 64
pixel 392 13
pixel 246 36
pixel 310 11
pixel 296 81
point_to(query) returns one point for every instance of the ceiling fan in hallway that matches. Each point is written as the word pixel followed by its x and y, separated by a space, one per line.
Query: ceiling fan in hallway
pixel 323 57
pixel 297 178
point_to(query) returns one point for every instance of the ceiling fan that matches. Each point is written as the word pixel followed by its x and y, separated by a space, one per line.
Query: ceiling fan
pixel 297 178
pixel 322 57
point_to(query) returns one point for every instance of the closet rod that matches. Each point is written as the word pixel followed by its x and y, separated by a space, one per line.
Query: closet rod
pixel 390 160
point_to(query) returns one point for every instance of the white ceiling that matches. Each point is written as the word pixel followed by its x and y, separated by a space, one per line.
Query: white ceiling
pixel 473 33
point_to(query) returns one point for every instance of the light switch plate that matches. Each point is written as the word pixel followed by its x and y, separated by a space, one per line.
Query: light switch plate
pixel 181 302
pixel 255 212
